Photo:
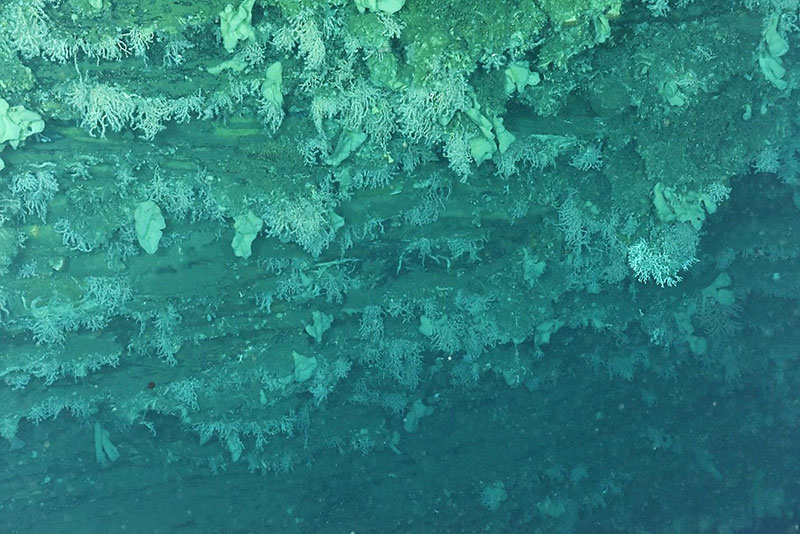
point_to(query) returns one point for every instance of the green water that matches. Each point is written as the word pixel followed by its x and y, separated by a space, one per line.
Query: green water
pixel 410 266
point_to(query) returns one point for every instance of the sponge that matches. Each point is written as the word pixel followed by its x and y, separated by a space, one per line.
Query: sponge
pixel 385 6
pixel 149 225
pixel 16 124
pixel 235 24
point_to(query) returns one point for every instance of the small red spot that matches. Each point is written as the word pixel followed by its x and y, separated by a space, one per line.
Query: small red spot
pixel 151 385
